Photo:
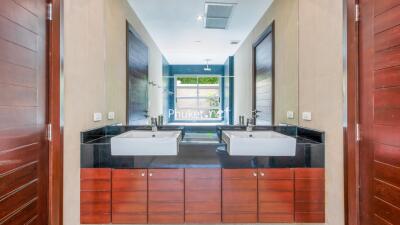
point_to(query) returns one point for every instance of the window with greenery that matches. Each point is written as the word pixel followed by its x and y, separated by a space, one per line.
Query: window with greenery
pixel 198 98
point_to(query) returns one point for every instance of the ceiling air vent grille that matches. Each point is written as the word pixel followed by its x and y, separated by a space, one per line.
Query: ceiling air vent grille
pixel 217 15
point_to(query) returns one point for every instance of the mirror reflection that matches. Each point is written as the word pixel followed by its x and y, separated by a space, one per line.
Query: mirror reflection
pixel 203 62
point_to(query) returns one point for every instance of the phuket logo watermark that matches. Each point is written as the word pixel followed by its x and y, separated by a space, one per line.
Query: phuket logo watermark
pixel 192 114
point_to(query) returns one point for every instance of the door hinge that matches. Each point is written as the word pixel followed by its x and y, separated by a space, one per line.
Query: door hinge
pixel 50 11
pixel 358 132
pixel 357 15
pixel 49 132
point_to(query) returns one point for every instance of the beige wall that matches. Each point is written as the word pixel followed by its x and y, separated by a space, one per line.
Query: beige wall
pixel 321 82
pixel 94 70
pixel 84 89
pixel 117 12
pixel 285 14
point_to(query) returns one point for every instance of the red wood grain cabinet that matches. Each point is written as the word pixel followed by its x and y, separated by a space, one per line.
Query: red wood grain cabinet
pixel 275 196
pixel 95 206
pixel 239 195
pixel 202 195
pixel 129 196
pixel 309 195
pixel 166 196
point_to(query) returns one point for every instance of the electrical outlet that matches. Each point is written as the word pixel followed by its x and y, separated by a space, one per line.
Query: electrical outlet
pixel 290 114
pixel 111 115
pixel 97 117
pixel 307 116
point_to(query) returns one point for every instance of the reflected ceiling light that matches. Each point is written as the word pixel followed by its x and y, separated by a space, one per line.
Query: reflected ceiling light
pixel 199 18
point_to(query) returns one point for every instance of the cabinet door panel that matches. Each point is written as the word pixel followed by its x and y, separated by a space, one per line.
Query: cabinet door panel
pixel 244 196
pixel 166 207
pixel 276 217
pixel 129 196
pixel 310 173
pixel 98 196
pixel 310 217
pixel 198 196
pixel 239 195
pixel 309 195
pixel 276 195
pixel 203 195
pixel 309 184
pixel 276 174
pixel 95 205
pixel 166 196
pixel 202 207
pixel 203 218
pixel 168 218
pixel 171 196
pixel 95 184
pixel 129 208
pixel 276 207
pixel 202 184
pixel 276 185
pixel 244 184
pixel 309 207
pixel 243 217
pixel 165 185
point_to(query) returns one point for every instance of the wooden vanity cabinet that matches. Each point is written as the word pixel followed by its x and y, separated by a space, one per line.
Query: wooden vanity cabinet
pixel 95 204
pixel 309 195
pixel 202 196
pixel 239 195
pixel 166 196
pixel 275 196
pixel 176 196
pixel 129 196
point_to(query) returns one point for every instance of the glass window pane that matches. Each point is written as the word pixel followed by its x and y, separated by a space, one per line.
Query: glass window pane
pixel 198 98
pixel 186 91
pixel 209 91
pixel 209 103
pixel 186 103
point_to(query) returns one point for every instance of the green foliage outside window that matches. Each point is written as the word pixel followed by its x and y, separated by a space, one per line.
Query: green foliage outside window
pixel 202 80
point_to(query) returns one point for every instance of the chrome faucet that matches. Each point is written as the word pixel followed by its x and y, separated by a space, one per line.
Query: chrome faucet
pixel 154 124
pixel 254 114
pixel 250 125
pixel 251 122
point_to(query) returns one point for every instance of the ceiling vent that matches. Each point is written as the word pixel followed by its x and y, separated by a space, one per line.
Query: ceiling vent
pixel 217 15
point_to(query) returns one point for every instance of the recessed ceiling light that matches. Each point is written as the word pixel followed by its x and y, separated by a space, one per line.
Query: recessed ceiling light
pixel 200 18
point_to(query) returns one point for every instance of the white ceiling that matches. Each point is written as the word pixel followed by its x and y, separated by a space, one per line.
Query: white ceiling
pixel 182 39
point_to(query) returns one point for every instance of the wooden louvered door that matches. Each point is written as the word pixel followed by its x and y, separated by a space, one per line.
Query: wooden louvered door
pixel 379 38
pixel 23 110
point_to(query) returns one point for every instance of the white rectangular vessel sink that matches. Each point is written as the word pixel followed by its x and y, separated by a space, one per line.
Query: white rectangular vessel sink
pixel 146 143
pixel 259 143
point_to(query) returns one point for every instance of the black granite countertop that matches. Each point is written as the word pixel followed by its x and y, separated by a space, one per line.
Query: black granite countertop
pixel 208 151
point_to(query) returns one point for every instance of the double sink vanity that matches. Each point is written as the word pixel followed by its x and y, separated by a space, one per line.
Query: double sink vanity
pixel 131 174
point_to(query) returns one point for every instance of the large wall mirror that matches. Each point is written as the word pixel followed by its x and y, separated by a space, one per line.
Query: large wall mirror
pixel 193 73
